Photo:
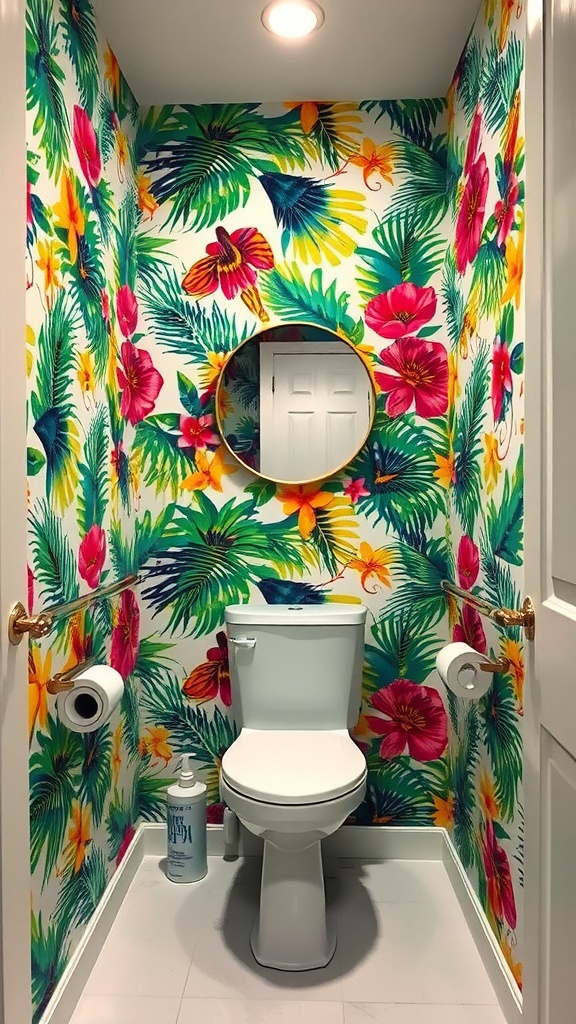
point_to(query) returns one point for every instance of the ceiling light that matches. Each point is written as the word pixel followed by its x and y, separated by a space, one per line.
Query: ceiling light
pixel 292 19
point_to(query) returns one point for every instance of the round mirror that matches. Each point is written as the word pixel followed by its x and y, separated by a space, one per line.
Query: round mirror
pixel 295 403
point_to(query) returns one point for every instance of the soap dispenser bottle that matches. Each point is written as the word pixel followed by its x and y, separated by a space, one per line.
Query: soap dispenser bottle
pixel 186 827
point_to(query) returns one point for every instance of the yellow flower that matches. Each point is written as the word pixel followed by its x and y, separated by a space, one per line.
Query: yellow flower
pixel 445 473
pixel 488 800
pixel 512 650
pixel 373 563
pixel 121 151
pixel 49 264
pixel 78 836
pixel 213 368
pixel 454 389
pixel 116 753
pixel 516 968
pixel 30 343
pixel 112 73
pixel 470 323
pixel 157 743
pixel 69 215
pixel 492 467
pixel 146 201
pixel 505 15
pixel 38 675
pixel 443 816
pixel 489 11
pixel 304 500
pixel 515 266
pixel 85 373
pixel 209 473
pixel 324 237
pixel 308 114
pixel 375 159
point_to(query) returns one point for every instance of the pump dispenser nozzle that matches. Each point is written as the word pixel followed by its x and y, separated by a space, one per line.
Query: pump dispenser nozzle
pixel 187 777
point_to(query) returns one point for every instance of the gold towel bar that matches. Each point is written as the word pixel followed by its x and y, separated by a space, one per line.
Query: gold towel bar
pixel 63 681
pixel 19 622
pixel 506 617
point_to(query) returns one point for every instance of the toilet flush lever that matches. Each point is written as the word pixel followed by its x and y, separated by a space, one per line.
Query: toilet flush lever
pixel 243 641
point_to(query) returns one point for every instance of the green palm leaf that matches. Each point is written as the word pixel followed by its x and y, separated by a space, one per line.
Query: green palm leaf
pixel 503 741
pixel 86 280
pixel 190 727
pixel 82 48
pixel 464 763
pixel 489 278
pixel 163 464
pixel 425 192
pixel 207 559
pixel 406 251
pixel 50 951
pixel 125 249
pixel 404 650
pixel 54 778
pixel 335 536
pixel 183 327
pixel 151 257
pixel 334 136
pixel 97 771
pixel 81 892
pixel 285 291
pixel 416 119
pixel 152 796
pixel 504 524
pixel 130 717
pixel 93 491
pixel 120 820
pixel 452 299
pixel 500 80
pixel 44 80
pixel 396 793
pixel 468 441
pixel 54 562
pixel 128 553
pixel 153 669
pixel 469 76
pixel 423 572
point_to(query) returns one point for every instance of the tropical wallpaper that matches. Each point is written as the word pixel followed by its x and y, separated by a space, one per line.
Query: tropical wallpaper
pixel 159 240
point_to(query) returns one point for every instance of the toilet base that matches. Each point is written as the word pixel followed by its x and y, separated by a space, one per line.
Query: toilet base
pixel 293 931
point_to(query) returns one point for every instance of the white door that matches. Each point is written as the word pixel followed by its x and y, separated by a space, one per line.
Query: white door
pixel 550 989
pixel 315 408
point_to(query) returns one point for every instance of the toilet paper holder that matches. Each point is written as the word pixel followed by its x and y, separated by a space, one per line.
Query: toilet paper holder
pixel 500 665
pixel 61 682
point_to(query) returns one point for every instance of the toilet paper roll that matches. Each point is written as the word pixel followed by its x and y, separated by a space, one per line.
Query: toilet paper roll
pixel 458 667
pixel 91 701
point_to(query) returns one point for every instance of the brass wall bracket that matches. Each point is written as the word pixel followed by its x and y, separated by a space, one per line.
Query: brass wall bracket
pixel 19 623
pixel 64 681
pixel 501 665
pixel 526 619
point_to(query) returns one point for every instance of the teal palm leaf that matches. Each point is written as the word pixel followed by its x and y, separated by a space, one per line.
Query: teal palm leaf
pixel 54 562
pixel 397 794
pixel 125 248
pixel 153 669
pixel 183 327
pixel 129 552
pixel 44 84
pixel 151 256
pixel 468 441
pixel 93 470
pixel 287 294
pixel 452 299
pixel 335 135
pixel 208 558
pixel 503 740
pixel 164 465
pixel 152 796
pixel 504 524
pixel 50 954
pixel 417 120
pixel 190 727
pixel 425 191
pixel 80 893
pixel 335 536
pixel 82 48
pixel 97 771
pixel 120 821
pixel 54 778
pixel 469 76
pixel 464 764
pixel 402 650
pixel 406 251
pixel 86 281
pixel 423 572
pixel 130 718
pixel 105 125
pixel 500 79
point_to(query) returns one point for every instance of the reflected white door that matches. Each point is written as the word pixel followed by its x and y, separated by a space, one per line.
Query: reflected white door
pixel 315 409
pixel 550 991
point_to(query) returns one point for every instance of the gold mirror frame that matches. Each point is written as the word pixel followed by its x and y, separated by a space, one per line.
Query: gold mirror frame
pixel 338 337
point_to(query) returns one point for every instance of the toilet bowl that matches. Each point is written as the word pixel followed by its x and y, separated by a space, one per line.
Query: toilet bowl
pixel 294 774
pixel 293 788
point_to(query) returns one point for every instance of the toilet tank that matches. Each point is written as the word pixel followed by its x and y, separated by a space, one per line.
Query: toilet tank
pixel 296 666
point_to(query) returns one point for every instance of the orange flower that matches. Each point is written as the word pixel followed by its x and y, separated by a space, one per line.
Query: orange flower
pixel 116 753
pixel 50 265
pixel 78 835
pixel 209 473
pixel 157 743
pixel 146 201
pixel 112 73
pixel 515 968
pixel 373 563
pixel 69 214
pixel 308 114
pixel 372 159
pixel 515 266
pixel 492 467
pixel 38 676
pixel 512 650
pixel 304 499
pixel 488 800
pixel 505 15
pixel 443 816
pixel 121 151
pixel 445 474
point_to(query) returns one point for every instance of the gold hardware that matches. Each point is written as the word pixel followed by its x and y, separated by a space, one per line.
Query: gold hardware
pixel 501 665
pixel 506 617
pixel 63 681
pixel 19 622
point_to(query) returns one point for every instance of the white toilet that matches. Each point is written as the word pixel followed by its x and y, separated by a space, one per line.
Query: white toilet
pixel 294 774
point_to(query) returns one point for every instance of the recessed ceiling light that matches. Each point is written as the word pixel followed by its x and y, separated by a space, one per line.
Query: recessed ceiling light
pixel 292 19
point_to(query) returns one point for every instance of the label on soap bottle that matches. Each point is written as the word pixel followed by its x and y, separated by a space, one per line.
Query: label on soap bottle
pixel 186 842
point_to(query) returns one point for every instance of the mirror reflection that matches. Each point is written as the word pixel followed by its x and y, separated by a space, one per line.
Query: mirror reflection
pixel 295 403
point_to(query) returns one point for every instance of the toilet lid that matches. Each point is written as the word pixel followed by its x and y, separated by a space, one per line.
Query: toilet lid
pixel 293 767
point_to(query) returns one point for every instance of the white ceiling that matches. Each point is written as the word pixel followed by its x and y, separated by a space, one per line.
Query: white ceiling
pixel 216 51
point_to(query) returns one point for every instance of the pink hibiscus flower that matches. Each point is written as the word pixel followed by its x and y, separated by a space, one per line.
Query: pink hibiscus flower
pixel 473 142
pixel 355 489
pixel 470 220
pixel 505 209
pixel 139 382
pixel 30 589
pixel 498 877
pixel 420 377
pixel 415 718
pixel 231 264
pixel 197 432
pixel 129 833
pixel 402 310
pixel 126 310
pixel 91 555
pixel 471 631
pixel 86 145
pixel 124 649
pixel 468 562
pixel 501 378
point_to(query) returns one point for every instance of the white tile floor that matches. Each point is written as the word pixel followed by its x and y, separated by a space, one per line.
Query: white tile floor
pixel 180 954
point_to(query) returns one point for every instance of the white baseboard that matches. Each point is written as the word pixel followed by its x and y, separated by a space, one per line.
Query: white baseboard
pixel 364 842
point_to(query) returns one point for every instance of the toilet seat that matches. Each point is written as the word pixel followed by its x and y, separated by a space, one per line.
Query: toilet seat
pixel 293 766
